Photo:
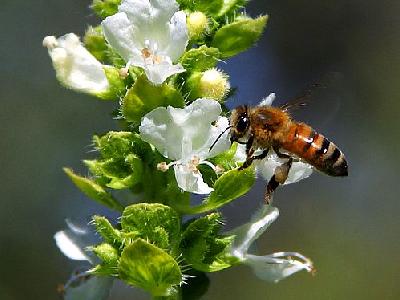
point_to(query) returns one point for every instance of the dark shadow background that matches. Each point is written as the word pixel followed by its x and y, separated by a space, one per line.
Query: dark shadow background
pixel 349 227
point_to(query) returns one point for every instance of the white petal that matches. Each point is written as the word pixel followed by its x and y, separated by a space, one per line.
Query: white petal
pixel 267 101
pixel 94 288
pixel 157 73
pixel 249 232
pixel 145 12
pixel 73 241
pixel 170 128
pixel 76 67
pixel 190 181
pixel 69 247
pixel 298 171
pixel 178 36
pixel 223 142
pixel 123 36
pixel 277 266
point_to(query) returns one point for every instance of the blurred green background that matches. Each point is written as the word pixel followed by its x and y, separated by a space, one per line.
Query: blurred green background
pixel 349 227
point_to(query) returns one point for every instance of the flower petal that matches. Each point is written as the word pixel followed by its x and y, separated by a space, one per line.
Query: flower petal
pixel 75 66
pixel 267 101
pixel 158 73
pixel 279 265
pixel 123 36
pixel 170 128
pixel 73 241
pixel 249 232
pixel 191 181
pixel 298 171
pixel 178 36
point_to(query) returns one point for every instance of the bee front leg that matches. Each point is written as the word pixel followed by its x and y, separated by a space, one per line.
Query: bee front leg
pixel 280 175
pixel 249 153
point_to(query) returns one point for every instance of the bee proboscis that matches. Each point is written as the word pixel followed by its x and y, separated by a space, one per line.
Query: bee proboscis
pixel 266 127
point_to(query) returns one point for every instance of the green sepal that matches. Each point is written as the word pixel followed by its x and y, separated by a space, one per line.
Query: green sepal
pixel 148 267
pixel 109 234
pixel 93 190
pixel 239 35
pixel 117 83
pixel 143 97
pixel 107 253
pixel 158 223
pixel 209 7
pixel 95 43
pixel 119 144
pixel 202 246
pixel 105 8
pixel 229 186
pixel 200 59
pixel 230 6
pixel 117 173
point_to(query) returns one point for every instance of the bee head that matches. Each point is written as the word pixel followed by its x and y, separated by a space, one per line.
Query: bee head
pixel 240 123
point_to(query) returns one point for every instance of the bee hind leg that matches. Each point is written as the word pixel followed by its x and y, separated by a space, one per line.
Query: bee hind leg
pixel 280 175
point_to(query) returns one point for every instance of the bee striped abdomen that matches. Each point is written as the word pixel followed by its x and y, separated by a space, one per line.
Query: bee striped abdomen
pixel 315 149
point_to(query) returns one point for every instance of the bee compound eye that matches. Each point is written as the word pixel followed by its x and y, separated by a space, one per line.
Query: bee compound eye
pixel 242 124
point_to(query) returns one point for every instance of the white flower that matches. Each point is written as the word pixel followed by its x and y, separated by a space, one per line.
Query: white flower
pixel 273 267
pixel 185 136
pixel 75 66
pixel 73 243
pixel 151 34
pixel 266 167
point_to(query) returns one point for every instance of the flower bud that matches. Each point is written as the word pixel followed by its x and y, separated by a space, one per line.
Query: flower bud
pixel 212 83
pixel 197 24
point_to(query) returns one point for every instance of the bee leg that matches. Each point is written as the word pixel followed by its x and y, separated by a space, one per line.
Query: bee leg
pixel 280 175
pixel 249 153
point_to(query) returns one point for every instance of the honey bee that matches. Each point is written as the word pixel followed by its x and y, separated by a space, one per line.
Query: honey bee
pixel 266 127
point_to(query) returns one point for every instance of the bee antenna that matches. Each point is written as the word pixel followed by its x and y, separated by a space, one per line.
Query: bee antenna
pixel 216 140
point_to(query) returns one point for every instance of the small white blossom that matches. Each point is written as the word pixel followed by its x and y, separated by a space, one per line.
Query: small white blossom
pixel 75 66
pixel 273 267
pixel 74 240
pixel 185 136
pixel 149 34
pixel 73 243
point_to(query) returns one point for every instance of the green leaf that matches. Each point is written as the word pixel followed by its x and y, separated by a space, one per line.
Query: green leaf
pixel 95 43
pixel 203 248
pixel 200 59
pixel 210 7
pixel 239 35
pixel 230 186
pixel 145 266
pixel 93 190
pixel 155 222
pixel 107 231
pixel 105 8
pixel 230 6
pixel 226 159
pixel 143 97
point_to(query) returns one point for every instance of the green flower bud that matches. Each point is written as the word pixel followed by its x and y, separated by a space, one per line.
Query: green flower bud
pixel 105 8
pixel 197 24
pixel 239 35
pixel 107 253
pixel 212 84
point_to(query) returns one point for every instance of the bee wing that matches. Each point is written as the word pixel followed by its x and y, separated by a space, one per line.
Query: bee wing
pixel 324 97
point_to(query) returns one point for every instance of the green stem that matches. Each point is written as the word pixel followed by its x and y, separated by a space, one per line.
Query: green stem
pixel 175 296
